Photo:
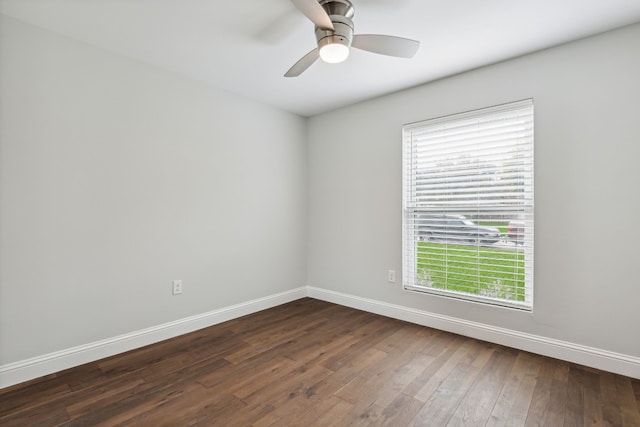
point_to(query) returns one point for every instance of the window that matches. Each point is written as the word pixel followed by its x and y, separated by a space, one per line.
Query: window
pixel 468 205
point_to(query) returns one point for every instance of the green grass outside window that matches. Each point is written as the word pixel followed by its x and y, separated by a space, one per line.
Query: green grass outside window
pixel 488 271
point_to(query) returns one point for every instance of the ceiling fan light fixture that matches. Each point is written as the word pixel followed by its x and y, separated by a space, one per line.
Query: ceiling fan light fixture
pixel 334 35
pixel 334 53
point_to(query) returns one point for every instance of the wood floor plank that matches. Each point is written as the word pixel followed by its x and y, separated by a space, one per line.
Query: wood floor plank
pixel 138 403
pixel 438 344
pixel 98 396
pixel 558 396
pixel 635 384
pixel 242 386
pixel 276 340
pixel 541 393
pixel 196 405
pixel 460 351
pixel 409 360
pixel 400 411
pixel 41 415
pixel 334 416
pixel 610 405
pixel 574 409
pixel 151 392
pixel 330 385
pixel 592 410
pixel 628 405
pixel 289 395
pixel 476 406
pixel 377 387
pixel 377 376
pixel 368 335
pixel 444 401
pixel 25 398
pixel 324 347
pixel 315 412
pixel 514 400
pixel 313 363
pixel 289 386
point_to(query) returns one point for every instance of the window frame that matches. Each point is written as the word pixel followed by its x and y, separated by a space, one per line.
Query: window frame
pixel 410 240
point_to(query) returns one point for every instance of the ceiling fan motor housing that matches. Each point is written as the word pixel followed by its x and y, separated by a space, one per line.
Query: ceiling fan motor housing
pixel 340 12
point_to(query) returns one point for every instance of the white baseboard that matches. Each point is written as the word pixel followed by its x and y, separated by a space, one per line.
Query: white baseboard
pixel 576 353
pixel 36 367
pixel 25 370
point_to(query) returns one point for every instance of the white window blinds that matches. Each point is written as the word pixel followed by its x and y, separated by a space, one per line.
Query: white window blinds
pixel 468 205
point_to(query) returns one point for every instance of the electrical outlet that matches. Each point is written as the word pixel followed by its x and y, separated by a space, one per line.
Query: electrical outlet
pixel 391 276
pixel 177 287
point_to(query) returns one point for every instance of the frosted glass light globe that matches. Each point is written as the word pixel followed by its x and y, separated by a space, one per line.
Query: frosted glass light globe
pixel 334 53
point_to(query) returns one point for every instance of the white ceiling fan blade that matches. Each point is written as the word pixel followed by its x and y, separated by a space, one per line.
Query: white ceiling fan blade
pixel 315 12
pixel 386 45
pixel 304 63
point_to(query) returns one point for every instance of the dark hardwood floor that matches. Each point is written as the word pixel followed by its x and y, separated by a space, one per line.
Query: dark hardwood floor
pixel 312 363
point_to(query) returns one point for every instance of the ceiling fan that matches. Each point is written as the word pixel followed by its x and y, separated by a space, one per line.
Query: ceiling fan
pixel 334 35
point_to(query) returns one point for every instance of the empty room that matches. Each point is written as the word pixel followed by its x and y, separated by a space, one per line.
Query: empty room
pixel 319 213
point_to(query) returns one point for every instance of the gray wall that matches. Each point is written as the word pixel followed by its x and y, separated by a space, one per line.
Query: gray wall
pixel 116 178
pixel 587 146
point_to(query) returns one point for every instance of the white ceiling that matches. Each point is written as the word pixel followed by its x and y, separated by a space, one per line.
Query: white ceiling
pixel 245 46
